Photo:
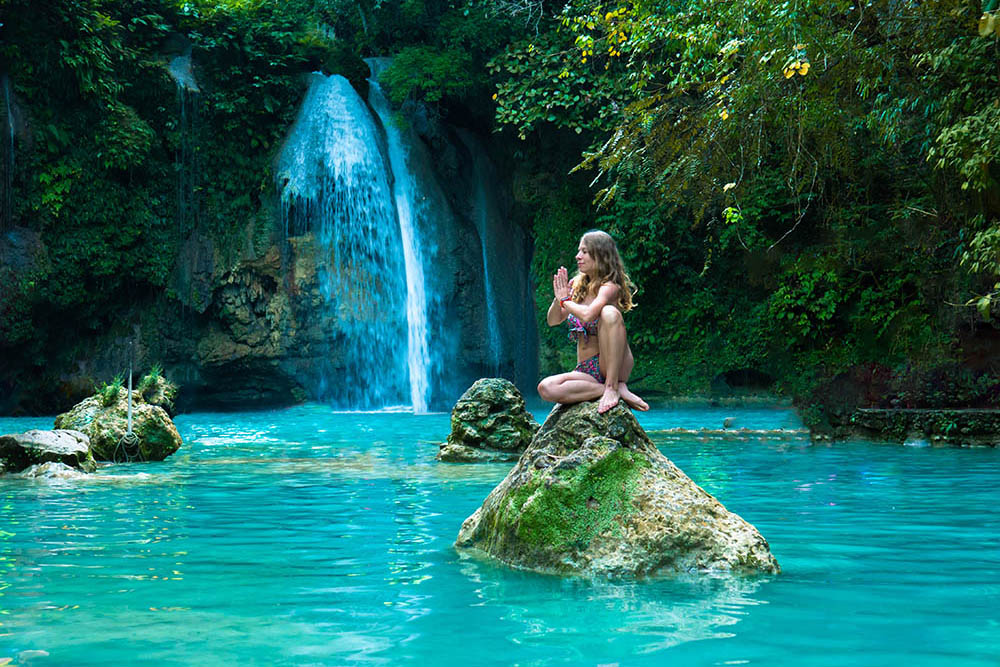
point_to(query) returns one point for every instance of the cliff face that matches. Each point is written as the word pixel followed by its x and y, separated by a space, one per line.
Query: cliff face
pixel 246 323
pixel 252 336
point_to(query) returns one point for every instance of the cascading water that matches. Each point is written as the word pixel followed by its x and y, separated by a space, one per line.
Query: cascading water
pixel 408 207
pixel 186 162
pixel 403 314
pixel 508 294
pixel 334 183
pixel 7 212
pixel 484 209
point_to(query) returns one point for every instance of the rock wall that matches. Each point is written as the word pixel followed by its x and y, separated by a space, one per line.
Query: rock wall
pixel 241 326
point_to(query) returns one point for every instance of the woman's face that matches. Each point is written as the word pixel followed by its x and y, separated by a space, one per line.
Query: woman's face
pixel 584 262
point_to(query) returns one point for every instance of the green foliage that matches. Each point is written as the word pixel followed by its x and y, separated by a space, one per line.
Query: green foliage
pixel 124 140
pixel 802 170
pixel 108 393
pixel 427 74
pixel 150 379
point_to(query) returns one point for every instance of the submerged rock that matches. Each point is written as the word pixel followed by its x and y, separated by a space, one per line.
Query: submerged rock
pixel 104 419
pixel 592 495
pixel 488 423
pixel 19 451
pixel 51 470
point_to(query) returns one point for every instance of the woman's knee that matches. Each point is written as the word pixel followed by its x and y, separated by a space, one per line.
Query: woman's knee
pixel 545 388
pixel 611 315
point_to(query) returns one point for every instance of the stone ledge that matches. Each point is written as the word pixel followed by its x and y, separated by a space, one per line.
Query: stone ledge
pixel 962 426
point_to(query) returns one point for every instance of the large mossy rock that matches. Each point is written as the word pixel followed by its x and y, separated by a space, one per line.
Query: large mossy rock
pixel 592 495
pixel 104 419
pixel 488 423
pixel 19 451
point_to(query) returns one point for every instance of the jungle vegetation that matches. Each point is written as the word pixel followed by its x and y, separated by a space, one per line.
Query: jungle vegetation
pixel 801 189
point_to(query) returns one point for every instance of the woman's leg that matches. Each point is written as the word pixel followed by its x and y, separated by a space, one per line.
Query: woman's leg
pixel 630 398
pixel 616 361
pixel 572 387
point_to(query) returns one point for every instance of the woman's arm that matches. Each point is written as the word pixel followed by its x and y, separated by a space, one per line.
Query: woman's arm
pixel 607 293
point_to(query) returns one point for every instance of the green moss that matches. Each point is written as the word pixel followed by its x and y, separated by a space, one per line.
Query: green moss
pixel 578 505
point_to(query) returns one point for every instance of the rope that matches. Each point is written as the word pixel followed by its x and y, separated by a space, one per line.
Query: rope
pixel 128 445
pixel 129 448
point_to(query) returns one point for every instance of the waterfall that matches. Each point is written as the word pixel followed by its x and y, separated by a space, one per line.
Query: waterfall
pixel 7 211
pixel 406 319
pixel 334 184
pixel 484 210
pixel 507 291
pixel 186 162
pixel 408 208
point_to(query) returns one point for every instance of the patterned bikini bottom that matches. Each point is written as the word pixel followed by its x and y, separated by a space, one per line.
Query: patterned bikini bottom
pixel 591 367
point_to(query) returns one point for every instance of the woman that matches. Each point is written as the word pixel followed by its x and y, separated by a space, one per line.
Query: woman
pixel 593 304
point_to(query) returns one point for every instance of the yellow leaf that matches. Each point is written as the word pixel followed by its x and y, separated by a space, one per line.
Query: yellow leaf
pixel 728 186
pixel 986 23
pixel 983 306
pixel 804 69
pixel 789 72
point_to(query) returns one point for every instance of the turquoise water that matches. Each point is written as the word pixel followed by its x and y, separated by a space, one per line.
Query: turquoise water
pixel 311 538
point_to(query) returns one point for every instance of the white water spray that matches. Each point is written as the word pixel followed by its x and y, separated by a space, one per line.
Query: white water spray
pixel 335 184
pixel 408 207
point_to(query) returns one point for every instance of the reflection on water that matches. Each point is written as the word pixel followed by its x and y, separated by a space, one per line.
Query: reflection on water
pixel 305 537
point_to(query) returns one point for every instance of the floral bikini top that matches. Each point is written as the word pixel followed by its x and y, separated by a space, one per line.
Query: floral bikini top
pixel 578 326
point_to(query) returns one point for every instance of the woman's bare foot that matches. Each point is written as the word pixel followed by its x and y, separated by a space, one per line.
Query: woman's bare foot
pixel 632 400
pixel 608 400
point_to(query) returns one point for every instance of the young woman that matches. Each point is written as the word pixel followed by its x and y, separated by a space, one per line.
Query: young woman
pixel 593 303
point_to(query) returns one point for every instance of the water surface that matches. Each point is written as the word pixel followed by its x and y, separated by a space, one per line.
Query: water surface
pixel 308 537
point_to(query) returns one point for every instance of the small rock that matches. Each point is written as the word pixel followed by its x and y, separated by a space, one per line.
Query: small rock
pixel 32 654
pixel 488 423
pixel 22 450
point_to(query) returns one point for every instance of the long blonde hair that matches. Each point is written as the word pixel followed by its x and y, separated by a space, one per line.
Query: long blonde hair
pixel 610 269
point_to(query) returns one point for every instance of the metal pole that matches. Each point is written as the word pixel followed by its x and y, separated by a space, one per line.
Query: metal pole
pixel 129 388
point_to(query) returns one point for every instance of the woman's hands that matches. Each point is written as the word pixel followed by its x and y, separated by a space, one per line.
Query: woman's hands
pixel 560 284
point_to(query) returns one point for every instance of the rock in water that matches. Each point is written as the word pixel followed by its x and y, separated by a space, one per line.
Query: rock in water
pixel 488 423
pixel 22 450
pixel 104 418
pixel 592 495
pixel 51 471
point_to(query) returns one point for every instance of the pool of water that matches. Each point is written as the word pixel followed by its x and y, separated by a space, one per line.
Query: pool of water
pixel 308 537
